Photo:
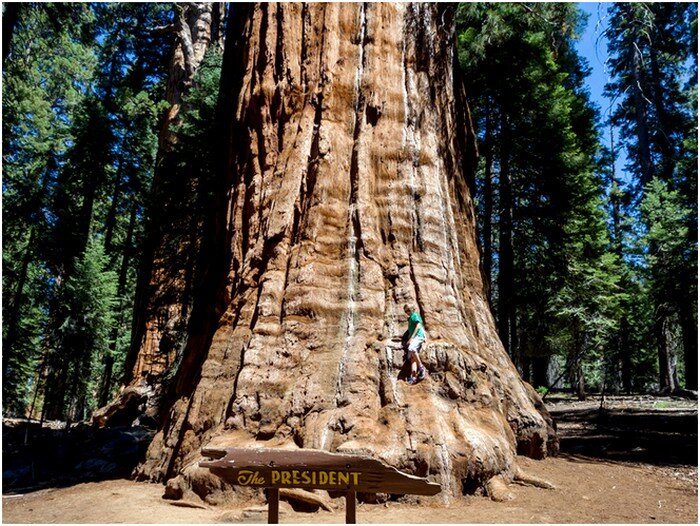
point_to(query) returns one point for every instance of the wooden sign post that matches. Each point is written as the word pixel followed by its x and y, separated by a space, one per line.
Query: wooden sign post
pixel 311 469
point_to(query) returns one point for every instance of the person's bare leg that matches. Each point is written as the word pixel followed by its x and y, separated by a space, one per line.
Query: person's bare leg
pixel 414 364
pixel 419 363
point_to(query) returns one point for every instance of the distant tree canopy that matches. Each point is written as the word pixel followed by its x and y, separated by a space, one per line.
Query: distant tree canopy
pixel 593 279
pixel 83 98
pixel 653 60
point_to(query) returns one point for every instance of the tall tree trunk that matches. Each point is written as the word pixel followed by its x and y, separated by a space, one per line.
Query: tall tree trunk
pixel 689 331
pixel 688 302
pixel 10 15
pixel 161 297
pixel 345 198
pixel 218 17
pixel 640 103
pixel 488 201
pixel 667 374
pixel 622 338
pixel 55 390
pixel 647 171
pixel 625 354
pixel 580 380
pixel 506 288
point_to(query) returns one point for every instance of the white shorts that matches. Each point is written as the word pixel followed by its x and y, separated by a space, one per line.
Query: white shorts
pixel 415 344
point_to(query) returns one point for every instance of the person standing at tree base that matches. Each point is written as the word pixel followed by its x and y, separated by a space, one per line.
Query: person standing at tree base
pixel 416 339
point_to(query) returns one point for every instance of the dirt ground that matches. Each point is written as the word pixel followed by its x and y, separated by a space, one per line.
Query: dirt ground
pixel 586 491
pixel 634 462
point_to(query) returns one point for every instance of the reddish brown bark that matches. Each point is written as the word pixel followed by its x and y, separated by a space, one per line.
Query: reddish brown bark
pixel 345 195
pixel 163 298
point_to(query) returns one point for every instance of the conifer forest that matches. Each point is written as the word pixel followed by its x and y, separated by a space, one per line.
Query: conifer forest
pixel 213 215
pixel 591 267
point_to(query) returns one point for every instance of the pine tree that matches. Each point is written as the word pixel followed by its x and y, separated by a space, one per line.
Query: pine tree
pixel 87 304
pixel 81 89
pixel 542 167
pixel 650 47
pixel 45 77
pixel 666 243
pixel 81 182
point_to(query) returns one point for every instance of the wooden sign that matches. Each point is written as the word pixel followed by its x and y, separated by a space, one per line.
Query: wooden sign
pixel 312 469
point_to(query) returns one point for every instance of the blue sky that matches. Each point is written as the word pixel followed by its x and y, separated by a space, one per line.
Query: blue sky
pixel 595 52
pixel 593 47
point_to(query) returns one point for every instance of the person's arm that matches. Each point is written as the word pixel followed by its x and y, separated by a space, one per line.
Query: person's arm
pixel 419 324
pixel 415 331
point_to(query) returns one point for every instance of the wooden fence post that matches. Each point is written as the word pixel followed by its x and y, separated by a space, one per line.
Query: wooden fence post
pixel 350 507
pixel 273 505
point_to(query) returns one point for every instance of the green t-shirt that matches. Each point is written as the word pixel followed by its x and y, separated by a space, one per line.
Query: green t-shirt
pixel 413 320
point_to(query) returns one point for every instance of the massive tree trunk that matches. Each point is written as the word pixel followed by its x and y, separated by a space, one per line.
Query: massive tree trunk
pixel 344 197
pixel 162 298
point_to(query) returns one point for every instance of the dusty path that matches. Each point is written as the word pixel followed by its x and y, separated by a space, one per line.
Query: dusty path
pixel 587 491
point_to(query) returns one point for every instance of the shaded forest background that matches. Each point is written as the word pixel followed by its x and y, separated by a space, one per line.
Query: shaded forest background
pixel 110 162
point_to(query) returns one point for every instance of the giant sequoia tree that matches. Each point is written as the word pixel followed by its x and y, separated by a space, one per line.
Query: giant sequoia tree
pixel 344 194
pixel 163 295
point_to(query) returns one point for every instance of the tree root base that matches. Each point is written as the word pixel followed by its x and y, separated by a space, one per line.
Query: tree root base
pixel 530 480
pixel 497 489
pixel 306 497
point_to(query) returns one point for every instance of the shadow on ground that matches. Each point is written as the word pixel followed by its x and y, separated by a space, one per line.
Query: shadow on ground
pixel 631 434
pixel 37 456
